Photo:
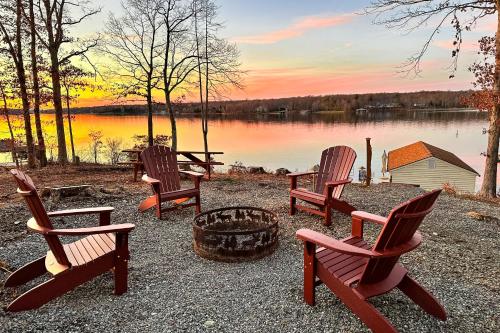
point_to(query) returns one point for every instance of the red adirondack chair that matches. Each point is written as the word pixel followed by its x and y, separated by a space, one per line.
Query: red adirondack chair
pixel 333 175
pixel 356 271
pixel 104 248
pixel 162 173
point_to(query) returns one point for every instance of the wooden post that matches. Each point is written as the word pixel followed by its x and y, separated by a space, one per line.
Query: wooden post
pixel 368 162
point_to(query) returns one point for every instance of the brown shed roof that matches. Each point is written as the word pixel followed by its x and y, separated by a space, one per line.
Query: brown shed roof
pixel 419 151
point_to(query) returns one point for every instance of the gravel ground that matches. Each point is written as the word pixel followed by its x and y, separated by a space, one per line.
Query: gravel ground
pixel 171 289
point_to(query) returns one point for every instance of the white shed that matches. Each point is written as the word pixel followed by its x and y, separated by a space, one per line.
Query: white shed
pixel 430 167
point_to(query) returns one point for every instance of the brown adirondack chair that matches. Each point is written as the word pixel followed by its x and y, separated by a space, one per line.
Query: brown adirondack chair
pixel 356 271
pixel 333 175
pixel 162 173
pixel 104 248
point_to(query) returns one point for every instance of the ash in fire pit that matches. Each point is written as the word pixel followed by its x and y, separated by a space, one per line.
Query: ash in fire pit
pixel 235 234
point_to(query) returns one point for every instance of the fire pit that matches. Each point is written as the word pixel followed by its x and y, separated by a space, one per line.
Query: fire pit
pixel 235 234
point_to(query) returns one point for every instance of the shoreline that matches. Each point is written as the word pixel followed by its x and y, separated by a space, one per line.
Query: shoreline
pixel 75 111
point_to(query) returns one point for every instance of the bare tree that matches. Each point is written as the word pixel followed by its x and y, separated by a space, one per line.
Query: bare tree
pixel 134 46
pixel 218 65
pixel 11 28
pixel 73 80
pixel 113 150
pixel 95 144
pixel 57 18
pixel 41 153
pixel 179 57
pixel 462 16
pixel 4 82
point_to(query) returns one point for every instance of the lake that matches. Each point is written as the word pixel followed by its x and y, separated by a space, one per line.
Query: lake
pixel 295 141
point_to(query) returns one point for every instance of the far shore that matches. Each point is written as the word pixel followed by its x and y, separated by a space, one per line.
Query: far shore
pixel 141 111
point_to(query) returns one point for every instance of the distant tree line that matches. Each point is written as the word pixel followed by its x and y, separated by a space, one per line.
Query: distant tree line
pixel 413 100
pixel 423 99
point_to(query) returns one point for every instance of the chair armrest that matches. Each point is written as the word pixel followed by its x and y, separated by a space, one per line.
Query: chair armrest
pixel 332 244
pixel 192 173
pixel 338 182
pixel 299 174
pixel 150 180
pixel 369 217
pixel 81 211
pixel 115 228
pixel 195 177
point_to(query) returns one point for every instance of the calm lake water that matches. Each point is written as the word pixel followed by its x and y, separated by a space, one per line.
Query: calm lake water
pixel 296 141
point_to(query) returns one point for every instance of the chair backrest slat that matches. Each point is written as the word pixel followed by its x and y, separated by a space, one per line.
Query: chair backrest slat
pixel 160 162
pixel 26 185
pixel 402 224
pixel 336 164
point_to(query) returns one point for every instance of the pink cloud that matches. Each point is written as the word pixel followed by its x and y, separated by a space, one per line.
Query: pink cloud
pixel 297 29
pixel 288 82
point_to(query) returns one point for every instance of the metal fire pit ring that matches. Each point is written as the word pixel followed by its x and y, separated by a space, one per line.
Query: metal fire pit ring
pixel 235 234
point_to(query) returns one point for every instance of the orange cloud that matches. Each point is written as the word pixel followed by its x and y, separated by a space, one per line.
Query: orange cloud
pixel 297 29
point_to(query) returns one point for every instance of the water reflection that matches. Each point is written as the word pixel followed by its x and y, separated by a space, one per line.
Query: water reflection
pixel 295 140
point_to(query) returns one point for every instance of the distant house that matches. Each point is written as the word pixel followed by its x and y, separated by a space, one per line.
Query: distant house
pixel 430 167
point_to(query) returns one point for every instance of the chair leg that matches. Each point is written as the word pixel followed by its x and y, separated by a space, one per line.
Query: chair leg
pixel 309 273
pixel 422 297
pixel 293 201
pixel 26 273
pixel 360 307
pixel 39 295
pixel 369 315
pixel 158 207
pixel 328 215
pixel 121 264
pixel 136 171
pixel 53 288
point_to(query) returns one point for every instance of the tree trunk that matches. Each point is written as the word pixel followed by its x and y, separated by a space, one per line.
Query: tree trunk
pixel 204 128
pixel 205 118
pixel 42 155
pixel 9 126
pixel 73 156
pixel 149 99
pixel 173 124
pixel 62 154
pixel 21 75
pixel 488 188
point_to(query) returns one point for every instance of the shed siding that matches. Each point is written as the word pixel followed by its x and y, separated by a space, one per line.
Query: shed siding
pixel 419 173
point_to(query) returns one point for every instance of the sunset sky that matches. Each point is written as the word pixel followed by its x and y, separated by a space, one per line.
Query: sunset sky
pixel 298 48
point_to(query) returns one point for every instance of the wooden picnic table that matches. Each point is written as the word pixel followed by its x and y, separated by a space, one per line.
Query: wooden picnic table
pixel 206 164
pixel 193 160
